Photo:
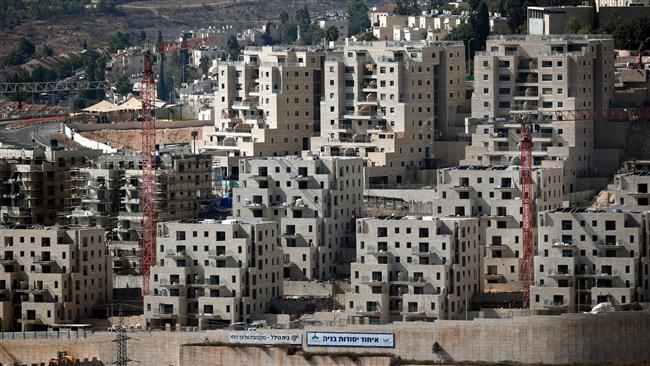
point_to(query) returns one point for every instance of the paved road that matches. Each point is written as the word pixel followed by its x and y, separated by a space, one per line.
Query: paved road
pixel 31 136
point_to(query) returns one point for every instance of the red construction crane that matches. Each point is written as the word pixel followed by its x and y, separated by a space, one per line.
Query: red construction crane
pixel 526 148
pixel 148 193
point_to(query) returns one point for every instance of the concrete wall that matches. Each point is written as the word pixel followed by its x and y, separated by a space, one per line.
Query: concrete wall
pixel 571 338
pixel 83 127
pixel 86 142
pixel 307 289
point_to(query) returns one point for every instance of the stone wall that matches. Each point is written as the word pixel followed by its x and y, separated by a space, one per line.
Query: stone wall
pixel 620 338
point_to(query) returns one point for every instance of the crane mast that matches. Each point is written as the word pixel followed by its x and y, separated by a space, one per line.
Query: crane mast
pixel 526 147
pixel 148 192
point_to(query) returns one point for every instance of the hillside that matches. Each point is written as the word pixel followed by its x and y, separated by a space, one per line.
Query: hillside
pixel 67 32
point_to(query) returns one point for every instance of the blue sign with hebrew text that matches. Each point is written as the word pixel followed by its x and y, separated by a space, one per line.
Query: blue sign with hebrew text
pixel 336 339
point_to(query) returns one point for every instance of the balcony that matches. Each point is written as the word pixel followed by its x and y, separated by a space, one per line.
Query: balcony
pixel 164 313
pixel 220 254
pixel 423 253
pixel 560 274
pixel 253 205
pixel 609 245
pixel 377 251
pixel 556 304
pixel 563 245
pixel 32 319
pixel 44 259
pixel 244 105
pixel 495 246
pixel 494 276
pixel 176 254
pixel 367 311
pixel 372 281
pixel 369 87
pixel 6 260
pixel 258 177
pixel 369 100
pixel 164 282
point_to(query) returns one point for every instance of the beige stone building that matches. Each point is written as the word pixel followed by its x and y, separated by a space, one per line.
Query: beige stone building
pixel 315 201
pixel 589 256
pixel 630 189
pixel 389 102
pixel 531 73
pixel 413 268
pixel 267 104
pixel 493 194
pixel 213 273
pixel 539 76
pixel 52 276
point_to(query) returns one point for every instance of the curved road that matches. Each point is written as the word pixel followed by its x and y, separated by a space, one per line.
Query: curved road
pixel 30 136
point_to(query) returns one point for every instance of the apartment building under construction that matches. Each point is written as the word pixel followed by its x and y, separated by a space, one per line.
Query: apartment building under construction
pixel 37 186
pixel 111 198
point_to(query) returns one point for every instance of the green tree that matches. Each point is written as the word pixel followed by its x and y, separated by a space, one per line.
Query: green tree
pixel 119 41
pixel 358 20
pixel 21 53
pixel 366 37
pixel 465 33
pixel 232 46
pixel 572 26
pixel 123 85
pixel 331 33
pixel 267 39
pixel 204 64
pixel 284 17
pixel 481 24
pixel 161 85
pixel 47 51
pixel 516 13
pixel 143 36
pixel 302 16
pixel 407 7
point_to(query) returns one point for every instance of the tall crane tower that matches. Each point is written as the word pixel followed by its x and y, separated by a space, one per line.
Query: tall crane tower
pixel 526 149
pixel 148 154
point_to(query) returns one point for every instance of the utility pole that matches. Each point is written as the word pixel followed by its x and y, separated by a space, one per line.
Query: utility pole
pixel 121 340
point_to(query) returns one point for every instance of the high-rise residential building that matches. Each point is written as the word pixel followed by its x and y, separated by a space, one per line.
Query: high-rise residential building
pixel 496 142
pixel 213 273
pixel 532 73
pixel 389 102
pixel 267 104
pixel 315 201
pixel 539 76
pixel 414 268
pixel 588 256
pixel 493 194
pixel 52 276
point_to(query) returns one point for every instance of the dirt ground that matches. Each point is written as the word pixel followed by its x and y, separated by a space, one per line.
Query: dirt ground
pixel 67 33
pixel 131 139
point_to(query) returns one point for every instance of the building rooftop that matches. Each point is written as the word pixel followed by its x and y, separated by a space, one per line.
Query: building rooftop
pixel 417 218
pixel 551 38
pixel 606 210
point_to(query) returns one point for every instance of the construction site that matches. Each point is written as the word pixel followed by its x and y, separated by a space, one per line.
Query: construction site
pixel 380 202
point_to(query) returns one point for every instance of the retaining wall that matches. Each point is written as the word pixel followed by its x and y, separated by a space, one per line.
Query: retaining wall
pixel 620 338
